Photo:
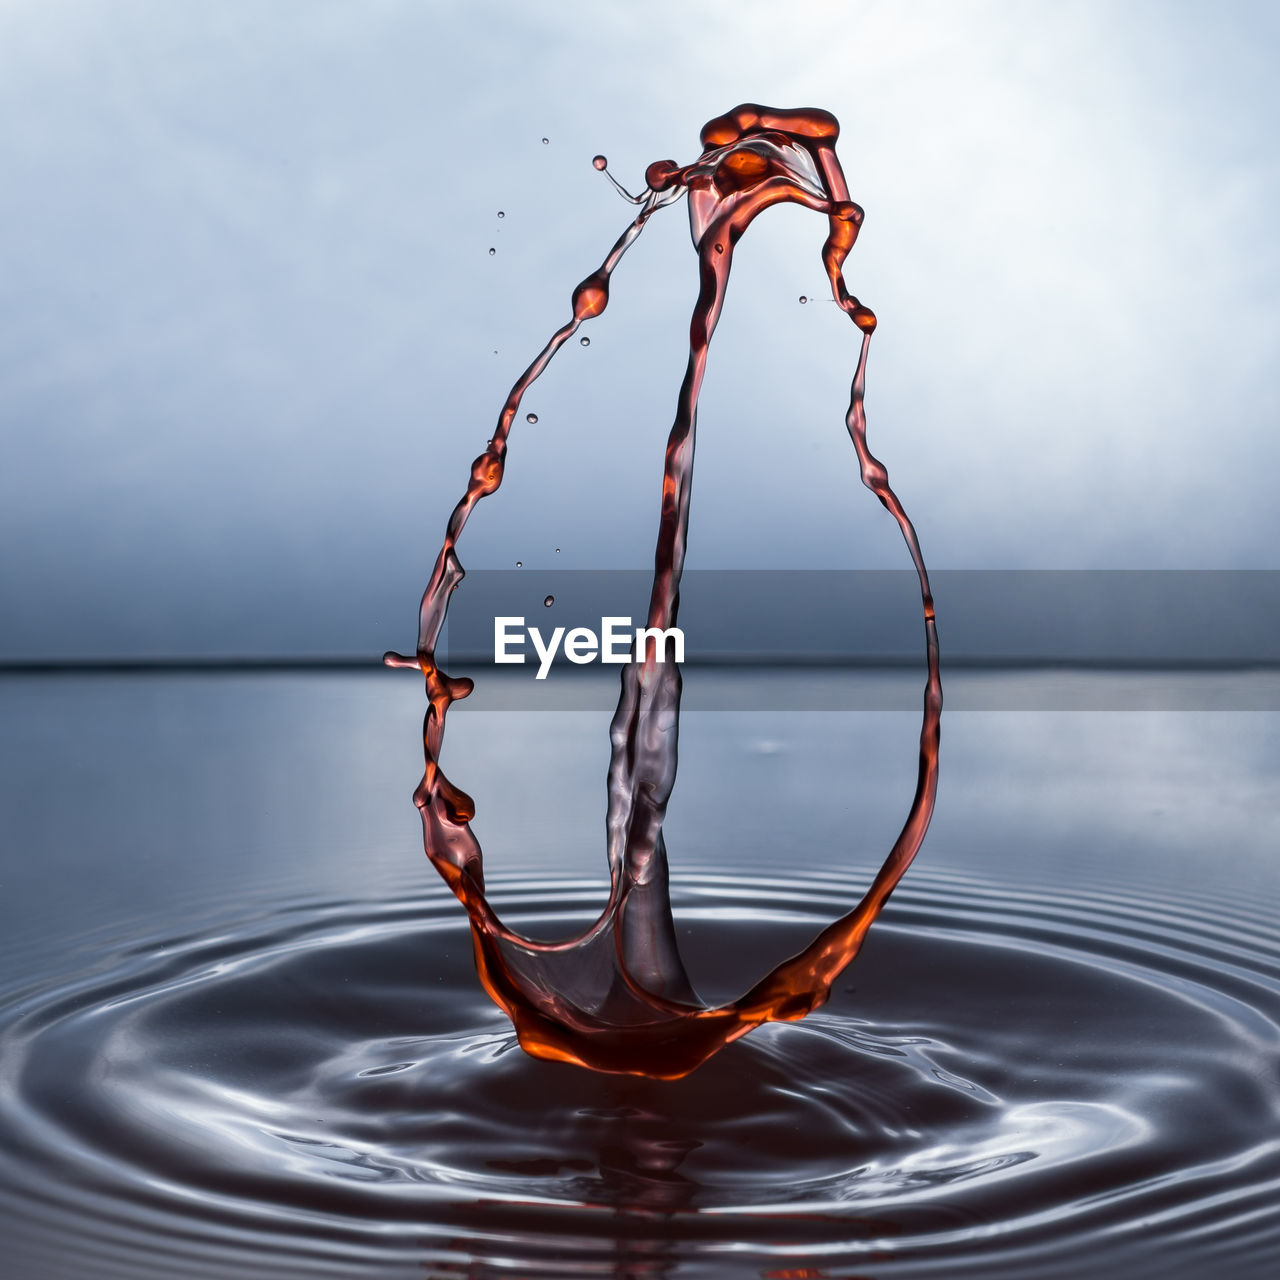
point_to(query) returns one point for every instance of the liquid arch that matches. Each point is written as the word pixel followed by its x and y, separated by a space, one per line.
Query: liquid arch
pixel 616 997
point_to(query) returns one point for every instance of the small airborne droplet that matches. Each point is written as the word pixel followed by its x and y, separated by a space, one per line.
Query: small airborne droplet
pixel 586 342
pixel 600 162
pixel 803 299
pixel 557 551
pixel 501 214
pixel 549 601
pixel 531 418
pixel 545 141
pixel 519 564
pixel 492 252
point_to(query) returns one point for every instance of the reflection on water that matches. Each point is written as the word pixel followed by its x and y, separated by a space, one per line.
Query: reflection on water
pixel 241 1033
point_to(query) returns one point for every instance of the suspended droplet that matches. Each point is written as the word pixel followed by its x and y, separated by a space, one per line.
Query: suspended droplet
pixel 519 564
pixel 586 342
pixel 803 299
pixel 545 141
pixel 591 297
pixel 600 162
pixel 492 252
pixel 660 174
pixel 549 601
pixel 557 551
pixel 531 418
pixel 501 214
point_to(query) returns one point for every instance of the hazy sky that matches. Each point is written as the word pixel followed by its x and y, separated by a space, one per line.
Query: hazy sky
pixel 248 316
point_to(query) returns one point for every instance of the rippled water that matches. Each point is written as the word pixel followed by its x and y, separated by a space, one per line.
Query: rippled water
pixel 241 1035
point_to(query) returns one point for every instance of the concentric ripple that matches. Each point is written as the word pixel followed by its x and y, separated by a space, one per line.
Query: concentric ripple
pixel 327 1092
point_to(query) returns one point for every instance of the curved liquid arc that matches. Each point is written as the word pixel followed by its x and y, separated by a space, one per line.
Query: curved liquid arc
pixel 616 997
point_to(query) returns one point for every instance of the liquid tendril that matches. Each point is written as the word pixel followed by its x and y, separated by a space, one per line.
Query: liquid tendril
pixel 616 998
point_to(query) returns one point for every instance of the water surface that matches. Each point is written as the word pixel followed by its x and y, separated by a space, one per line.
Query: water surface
pixel 240 1032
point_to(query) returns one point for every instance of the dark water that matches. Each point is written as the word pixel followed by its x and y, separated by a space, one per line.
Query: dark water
pixel 240 1033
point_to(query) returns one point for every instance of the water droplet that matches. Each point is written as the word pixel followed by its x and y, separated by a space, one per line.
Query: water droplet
pixel 492 252
pixel 545 141
pixel 600 162
pixel 557 551
pixel 660 174
pixel 719 248
pixel 586 342
pixel 549 601
pixel 501 214
pixel 591 297
pixel 531 418
pixel 803 299
pixel 519 564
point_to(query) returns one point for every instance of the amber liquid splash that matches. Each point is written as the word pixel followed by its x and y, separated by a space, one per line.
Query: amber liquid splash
pixel 616 998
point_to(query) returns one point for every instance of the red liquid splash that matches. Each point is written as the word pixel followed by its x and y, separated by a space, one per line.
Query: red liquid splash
pixel 617 998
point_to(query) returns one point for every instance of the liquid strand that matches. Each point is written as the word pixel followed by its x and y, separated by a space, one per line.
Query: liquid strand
pixel 616 998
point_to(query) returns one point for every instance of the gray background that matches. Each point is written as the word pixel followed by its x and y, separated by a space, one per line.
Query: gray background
pixel 248 317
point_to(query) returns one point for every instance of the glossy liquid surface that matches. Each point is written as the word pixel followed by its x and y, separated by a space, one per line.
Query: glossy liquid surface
pixel 241 1040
